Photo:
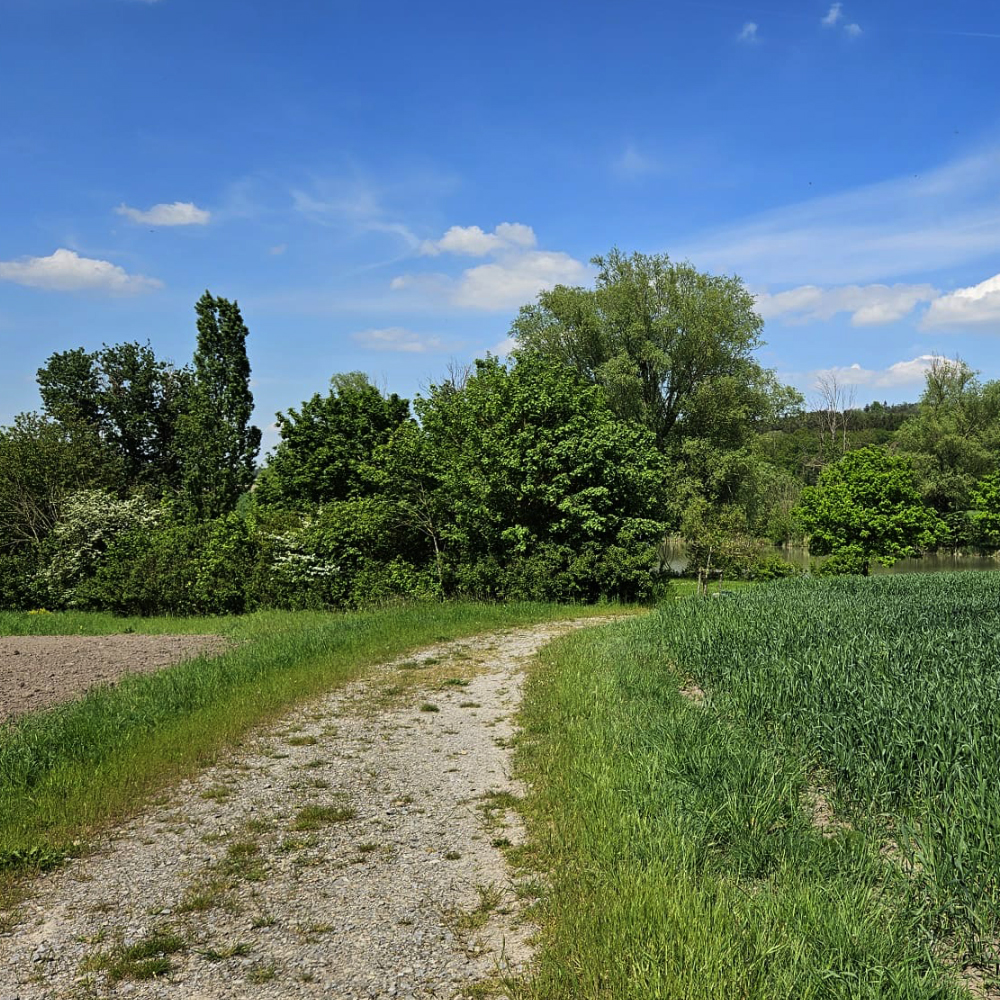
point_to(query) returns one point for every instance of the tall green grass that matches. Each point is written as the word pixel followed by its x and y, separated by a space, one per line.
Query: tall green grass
pixel 891 686
pixel 85 764
pixel 680 861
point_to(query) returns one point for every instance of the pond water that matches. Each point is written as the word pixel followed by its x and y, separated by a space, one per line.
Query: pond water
pixel 675 557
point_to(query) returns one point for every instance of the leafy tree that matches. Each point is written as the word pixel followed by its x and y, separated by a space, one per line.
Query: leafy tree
pixel 547 492
pixel 954 439
pixel 70 386
pixel 985 513
pixel 41 462
pixel 327 440
pixel 218 442
pixel 90 522
pixel 672 347
pixel 404 472
pixel 868 506
pixel 126 397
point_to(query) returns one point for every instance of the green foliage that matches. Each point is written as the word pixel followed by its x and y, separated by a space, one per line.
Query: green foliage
pixel 18 580
pixel 218 442
pixel 868 506
pixel 671 346
pixel 349 554
pixel 128 400
pixel 535 472
pixel 985 513
pixel 90 521
pixel 179 567
pixel 888 684
pixel 954 440
pixel 41 462
pixel 327 440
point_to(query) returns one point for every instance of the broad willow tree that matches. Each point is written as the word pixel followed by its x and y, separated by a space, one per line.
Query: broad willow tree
pixel 672 347
pixel 219 443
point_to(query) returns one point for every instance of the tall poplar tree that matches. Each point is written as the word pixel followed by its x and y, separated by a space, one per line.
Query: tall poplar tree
pixel 220 444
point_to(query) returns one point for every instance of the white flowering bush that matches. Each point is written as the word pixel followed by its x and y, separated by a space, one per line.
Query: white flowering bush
pixel 90 521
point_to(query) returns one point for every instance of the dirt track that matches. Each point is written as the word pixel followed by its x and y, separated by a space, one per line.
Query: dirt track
pixel 396 887
pixel 37 671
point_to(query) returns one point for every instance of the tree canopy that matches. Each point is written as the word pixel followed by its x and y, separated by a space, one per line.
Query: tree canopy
pixel 868 506
pixel 325 443
pixel 671 346
pixel 219 443
pixel 129 399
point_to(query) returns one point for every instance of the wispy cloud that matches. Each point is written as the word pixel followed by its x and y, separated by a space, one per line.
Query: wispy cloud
pixel 633 164
pixel 869 305
pixel 178 213
pixel 853 29
pixel 398 339
pixel 749 33
pixel 976 306
pixel 353 206
pixel 901 373
pixel 833 15
pixel 908 225
pixel 66 271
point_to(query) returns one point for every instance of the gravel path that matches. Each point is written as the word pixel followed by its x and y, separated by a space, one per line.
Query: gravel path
pixel 354 851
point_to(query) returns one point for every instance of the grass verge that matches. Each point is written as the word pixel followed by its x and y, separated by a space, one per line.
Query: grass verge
pixel 680 861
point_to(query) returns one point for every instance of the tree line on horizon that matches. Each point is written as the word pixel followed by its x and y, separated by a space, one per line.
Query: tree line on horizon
pixel 627 413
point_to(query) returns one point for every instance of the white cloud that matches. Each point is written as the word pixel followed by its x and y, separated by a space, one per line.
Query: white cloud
pixel 515 276
pixel 513 282
pixel 632 164
pixel 66 271
pixel 975 306
pixel 504 347
pixel 901 373
pixel 853 30
pixel 869 305
pixel 833 15
pixel 397 338
pixel 915 224
pixel 178 213
pixel 471 241
pixel 749 33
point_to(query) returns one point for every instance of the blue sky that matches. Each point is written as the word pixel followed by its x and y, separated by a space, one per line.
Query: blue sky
pixel 381 185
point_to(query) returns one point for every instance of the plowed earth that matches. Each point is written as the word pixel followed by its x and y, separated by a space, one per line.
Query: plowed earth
pixel 37 671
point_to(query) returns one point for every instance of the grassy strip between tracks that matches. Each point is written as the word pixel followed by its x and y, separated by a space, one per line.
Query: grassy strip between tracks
pixel 76 768
pixel 681 854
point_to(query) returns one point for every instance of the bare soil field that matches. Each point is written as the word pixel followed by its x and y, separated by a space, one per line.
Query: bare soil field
pixel 38 671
